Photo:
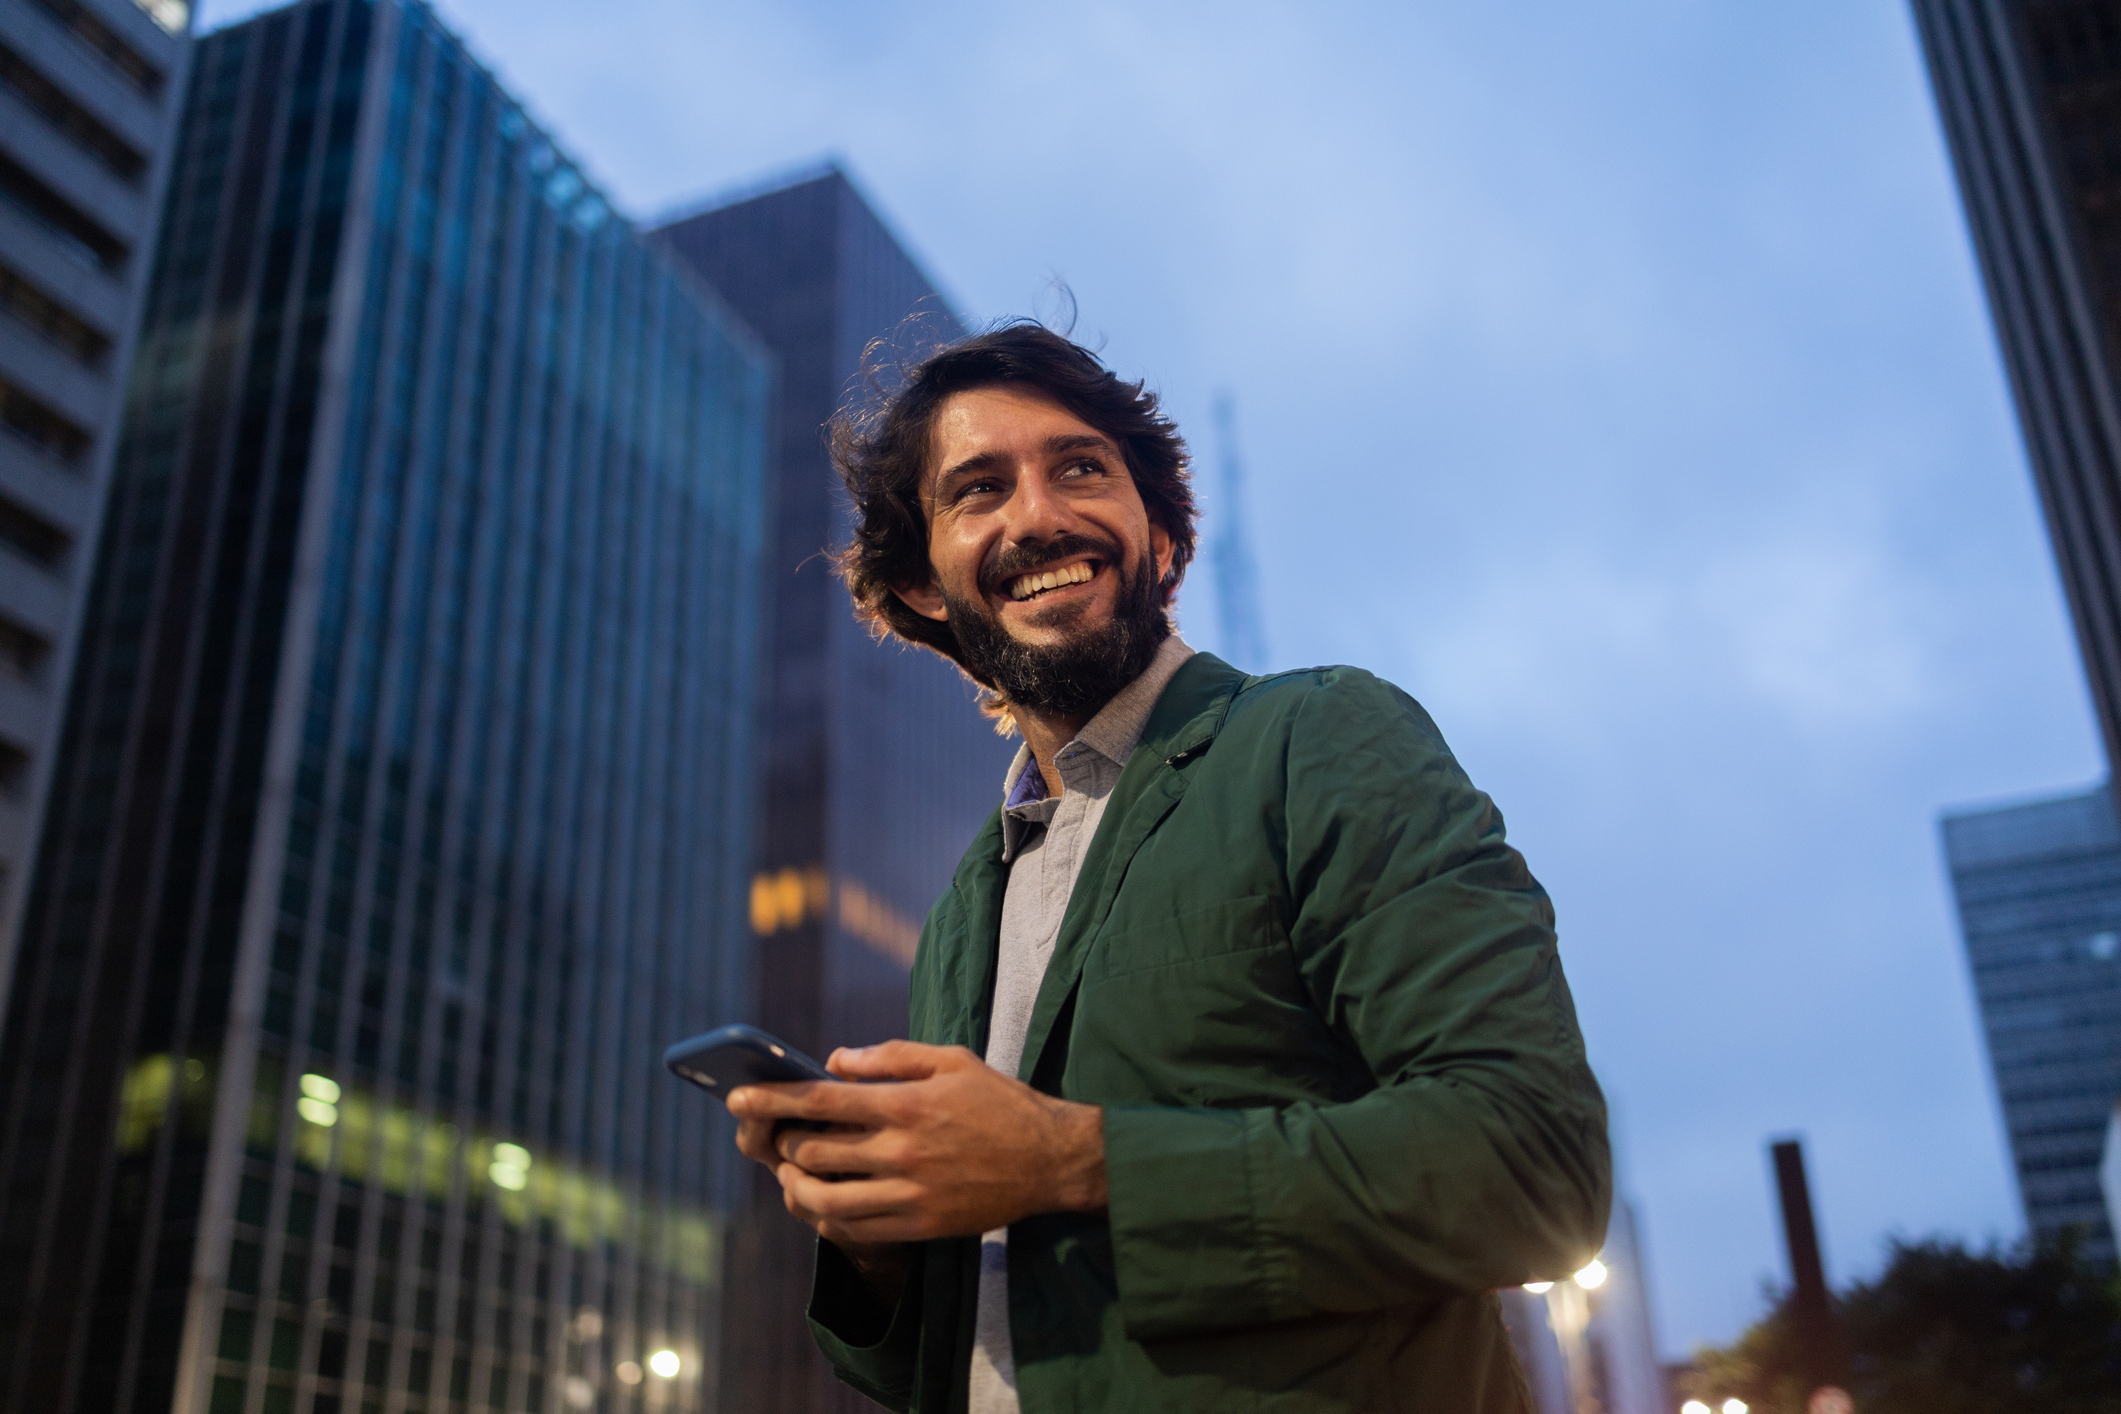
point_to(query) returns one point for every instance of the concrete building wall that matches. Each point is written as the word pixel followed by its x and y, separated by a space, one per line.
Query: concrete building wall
pixel 89 95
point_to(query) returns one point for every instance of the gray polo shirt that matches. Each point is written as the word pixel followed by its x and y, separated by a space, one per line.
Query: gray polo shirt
pixel 1045 839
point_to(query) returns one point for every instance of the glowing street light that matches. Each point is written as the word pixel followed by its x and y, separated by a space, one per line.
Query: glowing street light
pixel 1734 1406
pixel 630 1373
pixel 664 1364
pixel 1593 1276
pixel 1694 1406
pixel 1539 1288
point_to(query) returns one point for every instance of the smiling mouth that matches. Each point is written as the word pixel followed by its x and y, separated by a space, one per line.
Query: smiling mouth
pixel 1042 582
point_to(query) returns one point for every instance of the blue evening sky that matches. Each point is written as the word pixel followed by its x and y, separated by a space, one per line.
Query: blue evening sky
pixel 1616 379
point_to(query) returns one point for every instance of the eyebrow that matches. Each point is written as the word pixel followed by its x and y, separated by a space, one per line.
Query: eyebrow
pixel 1056 445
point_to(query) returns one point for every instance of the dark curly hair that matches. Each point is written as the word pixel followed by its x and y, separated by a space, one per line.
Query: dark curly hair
pixel 883 452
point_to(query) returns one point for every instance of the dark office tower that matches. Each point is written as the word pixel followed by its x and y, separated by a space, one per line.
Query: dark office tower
pixel 88 109
pixel 879 768
pixel 402 813
pixel 2030 92
pixel 2039 889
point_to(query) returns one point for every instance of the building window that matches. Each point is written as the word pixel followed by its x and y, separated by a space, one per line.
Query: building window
pixel 82 127
pixel 23 530
pixel 66 223
pixel 23 651
pixel 14 769
pixel 29 418
pixel 85 26
pixel 52 319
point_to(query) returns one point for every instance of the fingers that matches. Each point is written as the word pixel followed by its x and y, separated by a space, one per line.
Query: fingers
pixel 851 1201
pixel 860 1213
pixel 770 1102
pixel 843 1151
pixel 863 1106
pixel 897 1060
pixel 826 1101
pixel 754 1140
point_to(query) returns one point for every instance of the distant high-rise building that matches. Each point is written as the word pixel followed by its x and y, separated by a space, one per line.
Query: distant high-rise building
pixel 2039 890
pixel 88 109
pixel 2110 1169
pixel 403 810
pixel 2030 93
pixel 879 767
pixel 1244 635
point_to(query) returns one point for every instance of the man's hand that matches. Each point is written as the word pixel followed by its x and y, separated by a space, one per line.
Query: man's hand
pixel 940 1146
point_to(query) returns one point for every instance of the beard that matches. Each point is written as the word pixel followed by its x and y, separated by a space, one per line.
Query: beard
pixel 1087 667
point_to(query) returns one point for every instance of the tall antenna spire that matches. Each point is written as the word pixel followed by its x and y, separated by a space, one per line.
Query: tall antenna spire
pixel 1244 639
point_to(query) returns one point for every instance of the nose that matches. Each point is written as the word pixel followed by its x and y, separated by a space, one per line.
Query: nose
pixel 1036 511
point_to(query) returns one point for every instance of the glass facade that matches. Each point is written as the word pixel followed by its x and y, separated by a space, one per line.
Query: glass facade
pixel 2030 95
pixel 2039 891
pixel 404 811
pixel 879 767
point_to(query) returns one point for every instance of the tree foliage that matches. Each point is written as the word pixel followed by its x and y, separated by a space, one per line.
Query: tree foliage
pixel 2031 1330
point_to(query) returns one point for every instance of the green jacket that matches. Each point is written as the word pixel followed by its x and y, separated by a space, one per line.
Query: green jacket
pixel 1345 1099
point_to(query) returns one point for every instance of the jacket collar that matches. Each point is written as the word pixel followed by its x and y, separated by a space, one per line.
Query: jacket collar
pixel 1180 729
pixel 1113 733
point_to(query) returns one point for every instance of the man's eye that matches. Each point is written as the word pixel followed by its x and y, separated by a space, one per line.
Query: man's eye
pixel 977 488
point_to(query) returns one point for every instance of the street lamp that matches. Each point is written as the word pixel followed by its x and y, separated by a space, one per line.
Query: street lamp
pixel 665 1363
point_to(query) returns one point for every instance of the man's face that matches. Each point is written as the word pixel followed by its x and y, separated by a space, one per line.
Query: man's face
pixel 1045 563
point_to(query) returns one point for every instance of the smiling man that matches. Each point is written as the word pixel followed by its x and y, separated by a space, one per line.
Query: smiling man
pixel 1242 1069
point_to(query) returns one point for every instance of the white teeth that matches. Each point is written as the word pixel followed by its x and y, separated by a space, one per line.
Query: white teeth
pixel 1031 584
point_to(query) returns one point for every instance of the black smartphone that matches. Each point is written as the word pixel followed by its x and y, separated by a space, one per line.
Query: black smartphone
pixel 720 1060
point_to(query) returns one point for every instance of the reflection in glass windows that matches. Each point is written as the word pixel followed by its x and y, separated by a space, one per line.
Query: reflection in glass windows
pixel 402 816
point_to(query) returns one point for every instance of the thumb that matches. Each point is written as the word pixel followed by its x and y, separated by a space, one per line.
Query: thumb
pixel 892 1060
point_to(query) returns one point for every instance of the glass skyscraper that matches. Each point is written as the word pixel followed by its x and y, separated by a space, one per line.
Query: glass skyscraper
pixel 402 813
pixel 2030 95
pixel 879 767
pixel 2039 891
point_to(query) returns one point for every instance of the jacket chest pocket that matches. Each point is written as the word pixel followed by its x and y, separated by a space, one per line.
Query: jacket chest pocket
pixel 1189 939
pixel 1203 1008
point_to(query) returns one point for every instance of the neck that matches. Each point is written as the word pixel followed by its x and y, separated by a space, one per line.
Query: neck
pixel 1046 733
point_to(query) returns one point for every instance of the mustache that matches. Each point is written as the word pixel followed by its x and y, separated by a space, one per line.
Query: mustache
pixel 1037 554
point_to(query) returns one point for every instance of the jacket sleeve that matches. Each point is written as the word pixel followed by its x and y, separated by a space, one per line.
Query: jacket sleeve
pixel 1478 1160
pixel 873 1348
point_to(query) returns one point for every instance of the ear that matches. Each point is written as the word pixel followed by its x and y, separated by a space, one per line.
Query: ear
pixel 924 599
pixel 1164 548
